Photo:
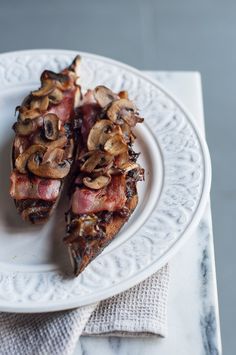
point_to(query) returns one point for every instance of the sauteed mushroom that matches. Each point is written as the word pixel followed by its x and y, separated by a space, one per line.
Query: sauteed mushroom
pixel 47 87
pixel 25 113
pixel 50 124
pixel 83 226
pixel 25 128
pixel 50 75
pixel 58 143
pixel 123 110
pixel 40 103
pixel 56 96
pixel 126 167
pixel 51 169
pixel 97 183
pixel 100 133
pixel 115 145
pixel 22 159
pixel 104 96
pixel 95 159
pixel 55 155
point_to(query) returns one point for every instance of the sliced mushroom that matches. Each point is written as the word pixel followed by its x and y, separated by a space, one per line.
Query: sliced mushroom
pixel 25 113
pixel 123 110
pixel 100 133
pixel 25 128
pixel 50 75
pixel 95 159
pixel 56 155
pixel 22 159
pixel 126 167
pixel 59 143
pixel 52 169
pixel 104 96
pixel 40 103
pixel 47 87
pixel 97 183
pixel 50 124
pixel 56 96
pixel 115 145
pixel 83 226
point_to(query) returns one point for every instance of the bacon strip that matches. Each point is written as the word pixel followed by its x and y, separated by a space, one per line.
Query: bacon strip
pixel 64 109
pixel 110 198
pixel 24 187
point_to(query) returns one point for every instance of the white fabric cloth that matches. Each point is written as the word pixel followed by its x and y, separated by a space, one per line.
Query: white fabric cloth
pixel 142 310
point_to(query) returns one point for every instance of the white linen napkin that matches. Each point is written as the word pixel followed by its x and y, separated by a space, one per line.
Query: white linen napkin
pixel 142 310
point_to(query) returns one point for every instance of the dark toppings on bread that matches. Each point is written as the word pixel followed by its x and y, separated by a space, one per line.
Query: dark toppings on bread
pixel 103 189
pixel 43 146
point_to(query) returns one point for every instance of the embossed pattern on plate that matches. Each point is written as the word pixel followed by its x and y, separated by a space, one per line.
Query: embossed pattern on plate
pixel 182 195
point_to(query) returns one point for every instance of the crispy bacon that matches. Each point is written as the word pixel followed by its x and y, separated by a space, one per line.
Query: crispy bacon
pixel 25 187
pixel 64 109
pixel 110 198
pixel 89 110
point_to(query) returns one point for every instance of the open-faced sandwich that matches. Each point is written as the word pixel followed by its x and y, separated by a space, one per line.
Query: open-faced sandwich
pixel 60 131
pixel 103 189
pixel 43 146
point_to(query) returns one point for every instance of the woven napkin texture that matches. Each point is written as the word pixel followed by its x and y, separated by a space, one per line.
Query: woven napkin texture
pixel 142 310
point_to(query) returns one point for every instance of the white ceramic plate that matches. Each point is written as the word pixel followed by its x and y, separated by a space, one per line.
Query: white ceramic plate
pixel 34 268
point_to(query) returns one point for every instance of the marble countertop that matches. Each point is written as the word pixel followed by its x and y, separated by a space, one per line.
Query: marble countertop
pixel 193 317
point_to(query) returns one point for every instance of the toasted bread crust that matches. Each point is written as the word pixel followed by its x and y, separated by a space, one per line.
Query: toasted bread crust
pixel 112 229
pixel 117 222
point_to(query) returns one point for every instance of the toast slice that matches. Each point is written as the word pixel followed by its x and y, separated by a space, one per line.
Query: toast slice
pixel 103 189
pixel 43 147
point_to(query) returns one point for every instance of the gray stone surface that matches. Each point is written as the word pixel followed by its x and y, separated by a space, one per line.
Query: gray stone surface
pixel 161 35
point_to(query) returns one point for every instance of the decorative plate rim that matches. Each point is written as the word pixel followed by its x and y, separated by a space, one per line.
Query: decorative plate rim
pixel 173 248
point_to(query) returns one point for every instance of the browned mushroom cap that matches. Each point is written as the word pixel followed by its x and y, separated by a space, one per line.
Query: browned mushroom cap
pixel 22 159
pixel 62 81
pixel 25 128
pixel 100 133
pixel 123 110
pixel 128 166
pixel 40 103
pixel 104 96
pixel 56 96
pixel 59 143
pixel 83 226
pixel 25 113
pixel 50 169
pixel 50 125
pixel 47 87
pixel 97 183
pixel 95 159
pixel 55 155
pixel 50 75
pixel 115 145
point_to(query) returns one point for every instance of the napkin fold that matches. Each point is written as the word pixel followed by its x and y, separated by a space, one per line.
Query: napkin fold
pixel 141 310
